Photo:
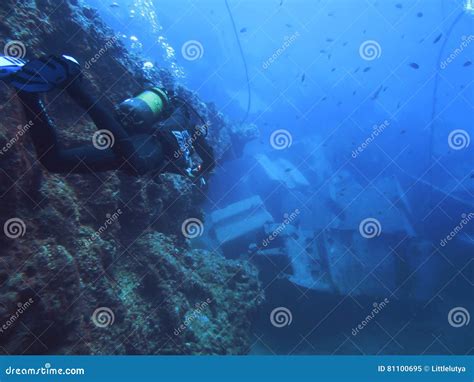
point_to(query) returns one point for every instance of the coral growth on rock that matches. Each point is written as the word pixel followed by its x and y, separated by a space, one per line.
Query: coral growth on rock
pixel 100 265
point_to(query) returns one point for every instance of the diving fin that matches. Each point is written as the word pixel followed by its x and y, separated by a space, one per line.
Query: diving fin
pixel 44 74
pixel 9 66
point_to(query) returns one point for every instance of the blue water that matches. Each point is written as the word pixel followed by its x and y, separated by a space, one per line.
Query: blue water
pixel 370 103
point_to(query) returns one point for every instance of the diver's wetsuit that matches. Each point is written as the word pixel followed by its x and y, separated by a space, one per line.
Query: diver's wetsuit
pixel 134 154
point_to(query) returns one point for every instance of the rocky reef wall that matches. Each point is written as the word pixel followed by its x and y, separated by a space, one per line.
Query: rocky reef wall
pixel 98 264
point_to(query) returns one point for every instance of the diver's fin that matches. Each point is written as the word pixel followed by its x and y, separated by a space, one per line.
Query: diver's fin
pixel 9 66
pixel 44 74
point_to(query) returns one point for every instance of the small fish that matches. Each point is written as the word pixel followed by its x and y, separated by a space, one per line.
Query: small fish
pixel 354 92
pixel 385 89
pixel 289 25
pixel 403 132
pixel 467 63
pixel 329 39
pixel 419 14
pixel 399 6
pixel 376 94
pixel 437 38
pixel 344 43
pixel 288 169
pixel 414 65
pixel 355 71
pixel 243 30
pixel 303 77
pixel 367 69
pixel 322 51
pixel 331 14
pixel 324 98
pixel 333 69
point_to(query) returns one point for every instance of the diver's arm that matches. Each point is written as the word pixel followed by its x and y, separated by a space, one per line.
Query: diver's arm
pixel 206 153
pixel 104 119
pixel 180 121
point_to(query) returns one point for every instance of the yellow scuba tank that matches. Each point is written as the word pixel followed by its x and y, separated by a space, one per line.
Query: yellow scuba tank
pixel 144 110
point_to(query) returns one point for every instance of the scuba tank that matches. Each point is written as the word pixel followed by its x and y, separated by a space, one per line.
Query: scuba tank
pixel 140 113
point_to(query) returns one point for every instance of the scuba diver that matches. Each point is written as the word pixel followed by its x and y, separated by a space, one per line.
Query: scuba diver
pixel 149 133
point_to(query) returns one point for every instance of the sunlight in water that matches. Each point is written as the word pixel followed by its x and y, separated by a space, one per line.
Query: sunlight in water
pixel 146 9
pixel 469 6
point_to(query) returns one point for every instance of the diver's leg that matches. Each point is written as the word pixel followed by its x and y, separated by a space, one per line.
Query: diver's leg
pixel 51 155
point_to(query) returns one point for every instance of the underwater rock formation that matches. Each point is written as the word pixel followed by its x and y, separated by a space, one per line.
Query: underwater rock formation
pixel 100 264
